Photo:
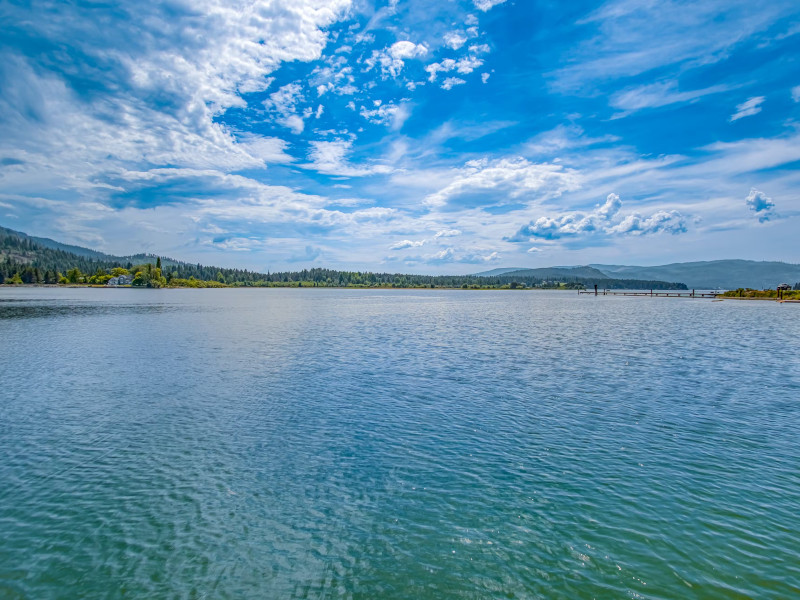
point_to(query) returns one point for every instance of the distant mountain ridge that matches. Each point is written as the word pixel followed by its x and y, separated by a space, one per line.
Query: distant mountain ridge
pixel 714 274
pixel 586 272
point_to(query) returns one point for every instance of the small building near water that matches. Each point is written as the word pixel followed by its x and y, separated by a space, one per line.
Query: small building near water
pixel 121 280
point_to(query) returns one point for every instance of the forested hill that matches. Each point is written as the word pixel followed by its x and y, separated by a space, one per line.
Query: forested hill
pixel 725 274
pixel 26 259
pixel 41 260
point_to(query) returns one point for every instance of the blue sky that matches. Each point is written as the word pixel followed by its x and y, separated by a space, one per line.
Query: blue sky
pixel 420 136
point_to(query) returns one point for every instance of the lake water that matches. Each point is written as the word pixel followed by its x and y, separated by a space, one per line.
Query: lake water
pixel 310 443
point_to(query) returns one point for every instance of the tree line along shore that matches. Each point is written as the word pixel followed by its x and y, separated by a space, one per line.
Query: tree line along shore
pixel 156 275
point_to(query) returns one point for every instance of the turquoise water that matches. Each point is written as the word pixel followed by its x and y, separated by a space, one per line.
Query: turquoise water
pixel 396 444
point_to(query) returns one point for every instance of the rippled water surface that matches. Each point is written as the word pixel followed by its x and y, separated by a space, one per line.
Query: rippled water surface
pixel 396 444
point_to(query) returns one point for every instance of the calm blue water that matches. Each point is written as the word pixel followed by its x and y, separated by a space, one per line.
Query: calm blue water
pixel 396 444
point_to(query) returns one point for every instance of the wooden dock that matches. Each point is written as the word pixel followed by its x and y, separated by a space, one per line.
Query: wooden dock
pixel 651 293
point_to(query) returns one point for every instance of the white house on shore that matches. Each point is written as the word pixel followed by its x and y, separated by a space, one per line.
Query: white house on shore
pixel 121 280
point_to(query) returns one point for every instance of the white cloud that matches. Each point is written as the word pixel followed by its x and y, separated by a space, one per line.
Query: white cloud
pixel 485 5
pixel 445 255
pixel 447 233
pixel 334 76
pixel 654 95
pixel 455 39
pixel 450 82
pixel 161 89
pixel 402 245
pixel 294 123
pixel 760 204
pixel 468 64
pixel 284 102
pixel 392 59
pixel 669 221
pixel 510 177
pixel 605 219
pixel 331 158
pixel 748 108
pixel 386 114
pixel 470 256
pixel 464 66
pixel 448 64
pixel 485 77
pixel 268 149
pixel 796 93
pixel 406 49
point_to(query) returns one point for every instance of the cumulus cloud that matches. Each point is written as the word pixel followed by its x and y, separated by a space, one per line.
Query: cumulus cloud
pixel 386 114
pixel 453 255
pixel 796 93
pixel 748 108
pixel 669 221
pixel 760 204
pixel 445 255
pixel 403 244
pixel 447 233
pixel 477 258
pixel 392 59
pixel 512 177
pixel 605 219
pixel 406 49
pixel 463 65
pixel 455 39
pixel 334 76
pixel 284 102
pixel 451 82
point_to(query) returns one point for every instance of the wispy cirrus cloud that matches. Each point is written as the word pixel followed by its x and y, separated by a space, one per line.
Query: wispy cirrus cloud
pixel 662 93
pixel 748 108
pixel 330 157
pixel 623 30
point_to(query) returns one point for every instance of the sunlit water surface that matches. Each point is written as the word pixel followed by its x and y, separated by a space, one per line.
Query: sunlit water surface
pixel 366 444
